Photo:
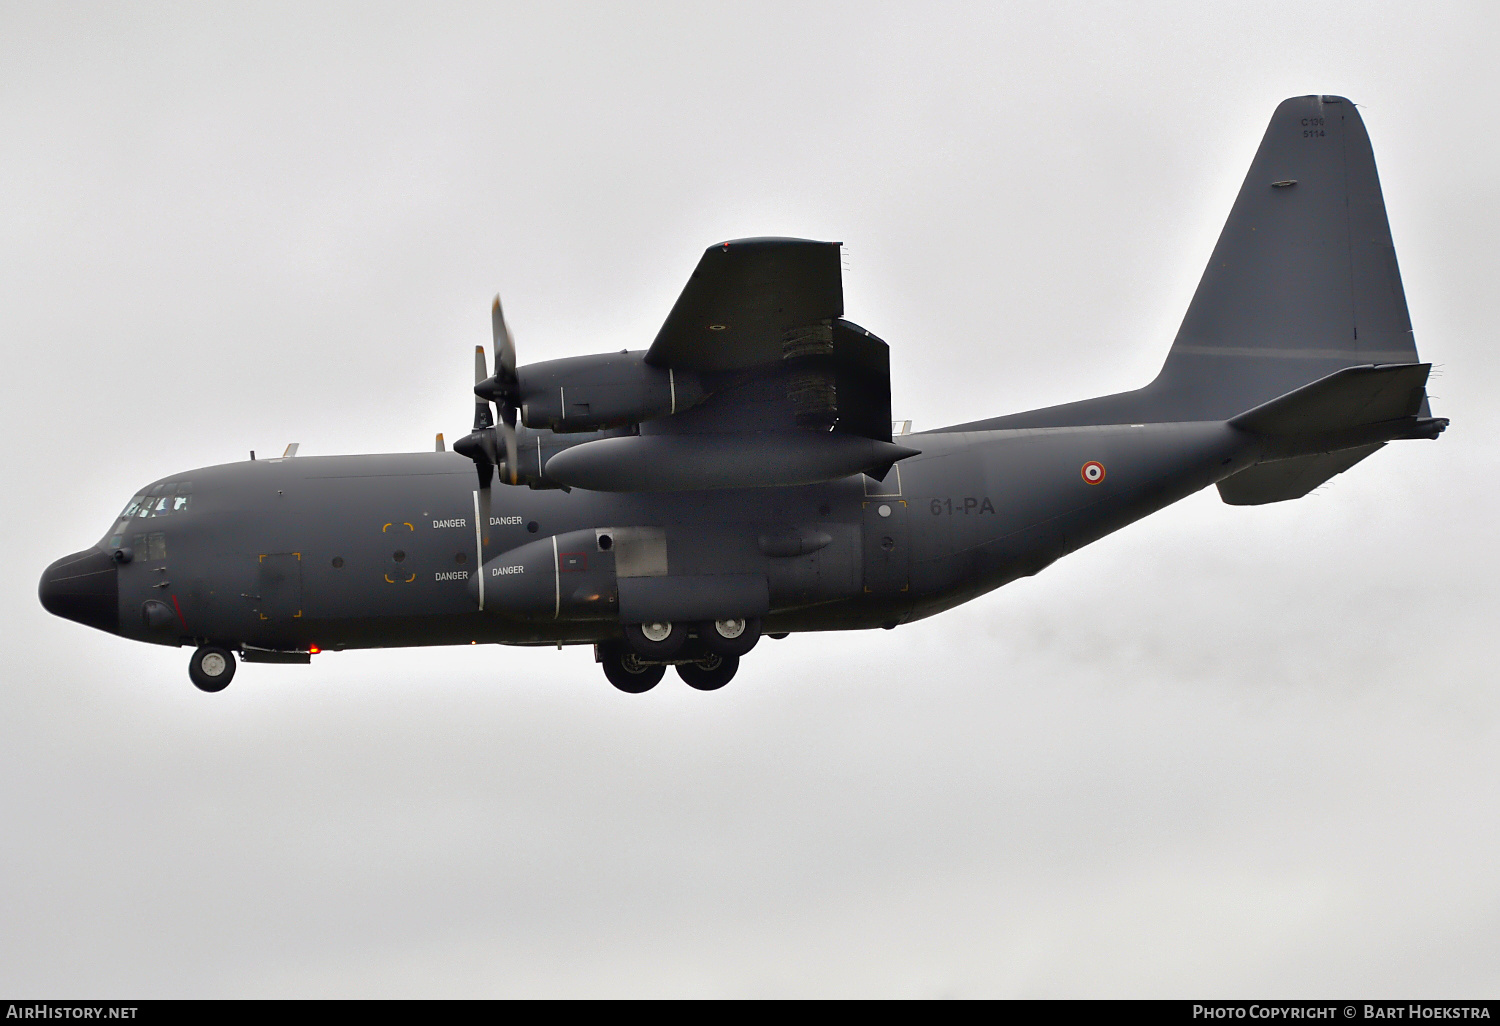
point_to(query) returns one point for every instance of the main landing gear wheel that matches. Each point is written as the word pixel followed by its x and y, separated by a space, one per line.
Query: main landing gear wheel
pixel 710 673
pixel 659 640
pixel 211 668
pixel 730 638
pixel 626 671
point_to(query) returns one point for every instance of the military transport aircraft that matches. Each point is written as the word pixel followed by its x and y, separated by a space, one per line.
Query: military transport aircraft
pixel 740 477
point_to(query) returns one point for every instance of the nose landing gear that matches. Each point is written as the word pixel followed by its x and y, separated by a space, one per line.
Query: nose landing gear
pixel 211 668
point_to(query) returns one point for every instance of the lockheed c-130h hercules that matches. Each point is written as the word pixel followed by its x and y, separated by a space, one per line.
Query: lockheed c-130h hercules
pixel 740 476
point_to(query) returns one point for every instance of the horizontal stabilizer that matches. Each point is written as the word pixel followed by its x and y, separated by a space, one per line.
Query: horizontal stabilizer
pixel 1344 399
pixel 1322 429
pixel 1279 480
pixel 1351 407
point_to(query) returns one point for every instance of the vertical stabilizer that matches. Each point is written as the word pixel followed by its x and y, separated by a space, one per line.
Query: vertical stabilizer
pixel 1303 282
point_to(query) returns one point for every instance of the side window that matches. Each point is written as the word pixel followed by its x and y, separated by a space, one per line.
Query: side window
pixel 150 546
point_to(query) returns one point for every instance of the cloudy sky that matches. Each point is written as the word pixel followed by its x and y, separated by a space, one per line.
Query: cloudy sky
pixel 1225 752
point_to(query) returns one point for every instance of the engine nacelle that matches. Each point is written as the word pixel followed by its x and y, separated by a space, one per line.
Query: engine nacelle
pixel 567 576
pixel 587 393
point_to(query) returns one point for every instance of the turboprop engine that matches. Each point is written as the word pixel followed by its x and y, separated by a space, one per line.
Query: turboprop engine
pixel 609 573
pixel 588 393
pixel 567 575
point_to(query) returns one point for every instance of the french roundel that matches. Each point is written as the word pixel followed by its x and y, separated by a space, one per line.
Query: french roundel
pixel 1093 472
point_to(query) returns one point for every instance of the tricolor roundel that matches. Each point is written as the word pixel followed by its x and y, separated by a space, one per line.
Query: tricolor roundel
pixel 1093 472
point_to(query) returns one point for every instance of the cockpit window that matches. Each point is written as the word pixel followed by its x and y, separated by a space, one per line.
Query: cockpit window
pixel 160 500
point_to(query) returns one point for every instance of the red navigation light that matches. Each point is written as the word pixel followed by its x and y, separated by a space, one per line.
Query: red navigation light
pixel 313 650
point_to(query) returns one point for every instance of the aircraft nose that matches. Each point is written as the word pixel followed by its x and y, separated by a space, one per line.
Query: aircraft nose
pixel 83 587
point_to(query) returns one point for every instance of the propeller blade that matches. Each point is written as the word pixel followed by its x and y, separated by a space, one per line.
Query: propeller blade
pixel 484 418
pixel 508 431
pixel 505 345
pixel 486 474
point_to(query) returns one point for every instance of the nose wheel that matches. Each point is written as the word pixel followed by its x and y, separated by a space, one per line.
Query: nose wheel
pixel 211 668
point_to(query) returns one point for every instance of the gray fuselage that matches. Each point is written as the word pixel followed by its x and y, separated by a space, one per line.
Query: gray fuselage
pixel 381 550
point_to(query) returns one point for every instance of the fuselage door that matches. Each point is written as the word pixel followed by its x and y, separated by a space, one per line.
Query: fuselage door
pixel 886 548
pixel 280 587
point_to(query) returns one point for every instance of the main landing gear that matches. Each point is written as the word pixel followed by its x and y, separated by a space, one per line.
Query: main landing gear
pixel 709 674
pixel 628 671
pixel 211 668
pixel 706 655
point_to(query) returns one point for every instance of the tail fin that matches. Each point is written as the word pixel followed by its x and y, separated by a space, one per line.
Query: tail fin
pixel 1304 279
pixel 1303 283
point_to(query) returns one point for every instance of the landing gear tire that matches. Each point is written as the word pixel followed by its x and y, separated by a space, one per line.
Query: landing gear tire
pixel 626 671
pixel 730 638
pixel 211 668
pixel 710 673
pixel 660 640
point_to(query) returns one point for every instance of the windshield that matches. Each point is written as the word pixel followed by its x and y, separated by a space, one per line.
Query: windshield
pixel 160 500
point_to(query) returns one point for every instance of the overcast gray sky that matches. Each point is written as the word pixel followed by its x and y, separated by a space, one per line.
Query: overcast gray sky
pixel 1225 752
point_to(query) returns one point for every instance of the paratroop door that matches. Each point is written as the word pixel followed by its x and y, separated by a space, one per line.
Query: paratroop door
pixel 887 549
pixel 280 586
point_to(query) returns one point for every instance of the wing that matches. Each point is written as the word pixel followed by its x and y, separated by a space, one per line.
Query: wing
pixel 748 299
pixel 783 390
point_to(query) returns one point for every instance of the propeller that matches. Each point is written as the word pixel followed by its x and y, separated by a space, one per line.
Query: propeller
pixel 482 445
pixel 479 445
pixel 504 388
